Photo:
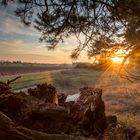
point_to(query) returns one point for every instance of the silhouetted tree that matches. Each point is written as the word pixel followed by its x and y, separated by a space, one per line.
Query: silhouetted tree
pixel 100 26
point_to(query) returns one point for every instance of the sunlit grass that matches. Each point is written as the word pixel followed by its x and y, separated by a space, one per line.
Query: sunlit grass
pixel 28 80
pixel 121 97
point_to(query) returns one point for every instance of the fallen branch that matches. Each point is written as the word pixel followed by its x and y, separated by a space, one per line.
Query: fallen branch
pixel 10 81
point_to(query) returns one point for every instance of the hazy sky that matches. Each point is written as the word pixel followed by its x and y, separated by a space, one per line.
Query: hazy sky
pixel 18 42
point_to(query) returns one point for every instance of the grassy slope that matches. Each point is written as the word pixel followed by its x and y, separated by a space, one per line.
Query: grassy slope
pixel 28 80
pixel 121 97
pixel 70 81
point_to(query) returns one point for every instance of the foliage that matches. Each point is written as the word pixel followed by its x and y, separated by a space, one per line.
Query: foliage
pixel 101 23
pixel 100 26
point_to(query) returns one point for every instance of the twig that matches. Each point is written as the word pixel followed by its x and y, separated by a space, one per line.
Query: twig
pixel 10 81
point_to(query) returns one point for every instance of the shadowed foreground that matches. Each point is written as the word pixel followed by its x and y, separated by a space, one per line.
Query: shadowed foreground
pixel 38 116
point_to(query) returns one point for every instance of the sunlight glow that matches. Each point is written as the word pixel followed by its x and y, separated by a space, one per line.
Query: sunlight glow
pixel 116 59
pixel 121 52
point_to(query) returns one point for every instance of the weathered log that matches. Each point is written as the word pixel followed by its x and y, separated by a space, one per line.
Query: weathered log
pixel 86 114
pixel 89 110
pixel 9 131
pixel 61 99
pixel 4 87
pixel 43 91
pixel 10 104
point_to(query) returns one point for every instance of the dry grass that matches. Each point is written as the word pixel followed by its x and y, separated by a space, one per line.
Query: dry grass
pixel 124 102
pixel 121 97
pixel 71 80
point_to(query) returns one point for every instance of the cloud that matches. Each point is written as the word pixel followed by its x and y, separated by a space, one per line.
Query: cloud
pixel 10 26
pixel 27 51
pixel 22 47
pixel 9 23
pixel 18 42
pixel 28 58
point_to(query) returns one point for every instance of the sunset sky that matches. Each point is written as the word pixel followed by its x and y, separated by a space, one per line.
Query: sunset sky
pixel 18 42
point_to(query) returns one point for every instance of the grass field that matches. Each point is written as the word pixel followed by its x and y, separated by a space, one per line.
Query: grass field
pixel 15 69
pixel 29 80
pixel 121 97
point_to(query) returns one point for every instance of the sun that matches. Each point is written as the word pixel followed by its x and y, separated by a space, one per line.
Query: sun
pixel 117 60
pixel 118 57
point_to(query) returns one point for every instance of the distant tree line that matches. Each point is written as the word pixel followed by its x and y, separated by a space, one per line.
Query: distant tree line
pixel 8 63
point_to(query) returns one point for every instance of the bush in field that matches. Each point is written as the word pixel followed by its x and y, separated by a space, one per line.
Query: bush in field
pixel 84 65
pixel 102 66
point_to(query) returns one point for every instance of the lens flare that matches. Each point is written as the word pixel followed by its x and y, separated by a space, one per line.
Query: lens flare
pixel 116 59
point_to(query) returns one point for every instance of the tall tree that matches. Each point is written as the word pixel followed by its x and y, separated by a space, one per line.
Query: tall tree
pixel 100 26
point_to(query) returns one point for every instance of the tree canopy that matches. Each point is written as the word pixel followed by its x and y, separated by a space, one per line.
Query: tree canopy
pixel 100 26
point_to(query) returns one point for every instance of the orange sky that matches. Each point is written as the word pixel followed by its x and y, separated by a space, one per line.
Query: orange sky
pixel 20 43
